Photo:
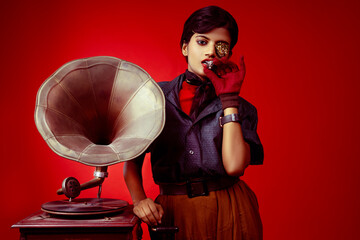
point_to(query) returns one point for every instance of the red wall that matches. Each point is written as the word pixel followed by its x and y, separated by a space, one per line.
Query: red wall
pixel 302 61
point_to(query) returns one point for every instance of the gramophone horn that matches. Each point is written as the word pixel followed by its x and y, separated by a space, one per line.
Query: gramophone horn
pixel 99 111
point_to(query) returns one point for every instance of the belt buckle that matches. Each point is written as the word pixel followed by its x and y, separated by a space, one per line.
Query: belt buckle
pixel 196 188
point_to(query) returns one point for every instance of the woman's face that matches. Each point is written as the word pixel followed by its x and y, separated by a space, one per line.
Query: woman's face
pixel 201 47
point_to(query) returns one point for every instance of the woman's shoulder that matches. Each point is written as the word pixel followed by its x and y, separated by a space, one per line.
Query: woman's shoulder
pixel 246 106
pixel 164 83
pixel 168 85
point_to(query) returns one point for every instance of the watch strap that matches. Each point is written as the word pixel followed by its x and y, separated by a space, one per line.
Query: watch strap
pixel 234 117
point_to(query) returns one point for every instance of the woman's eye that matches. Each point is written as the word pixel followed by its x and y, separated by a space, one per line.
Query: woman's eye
pixel 201 42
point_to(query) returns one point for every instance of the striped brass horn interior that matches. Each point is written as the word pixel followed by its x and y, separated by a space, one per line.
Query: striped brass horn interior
pixel 99 111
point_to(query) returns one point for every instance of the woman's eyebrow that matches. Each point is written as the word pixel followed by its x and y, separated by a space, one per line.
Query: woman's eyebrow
pixel 203 36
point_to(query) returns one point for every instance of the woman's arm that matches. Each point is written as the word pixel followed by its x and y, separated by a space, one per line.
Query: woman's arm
pixel 145 208
pixel 235 151
pixel 227 79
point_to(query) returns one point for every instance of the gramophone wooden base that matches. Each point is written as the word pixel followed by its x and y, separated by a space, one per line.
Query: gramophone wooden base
pixel 41 226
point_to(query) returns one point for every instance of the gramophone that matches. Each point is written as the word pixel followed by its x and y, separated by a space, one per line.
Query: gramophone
pixel 98 111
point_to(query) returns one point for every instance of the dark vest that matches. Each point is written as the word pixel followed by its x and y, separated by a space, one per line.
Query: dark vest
pixel 189 148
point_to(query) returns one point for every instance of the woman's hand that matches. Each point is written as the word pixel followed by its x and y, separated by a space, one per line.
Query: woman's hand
pixel 227 79
pixel 149 211
pixel 145 208
pixel 226 76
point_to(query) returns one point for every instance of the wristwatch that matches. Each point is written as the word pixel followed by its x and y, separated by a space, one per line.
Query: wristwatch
pixel 234 117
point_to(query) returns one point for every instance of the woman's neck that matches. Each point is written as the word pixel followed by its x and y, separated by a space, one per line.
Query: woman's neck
pixel 193 79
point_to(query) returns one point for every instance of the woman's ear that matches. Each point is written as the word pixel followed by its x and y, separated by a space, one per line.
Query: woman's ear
pixel 184 49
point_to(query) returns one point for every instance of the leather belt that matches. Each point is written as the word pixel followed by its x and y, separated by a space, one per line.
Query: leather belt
pixel 196 187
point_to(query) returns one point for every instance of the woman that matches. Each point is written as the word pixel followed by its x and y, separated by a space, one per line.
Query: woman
pixel 208 140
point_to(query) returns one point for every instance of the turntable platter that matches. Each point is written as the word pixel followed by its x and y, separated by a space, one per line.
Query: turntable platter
pixel 84 206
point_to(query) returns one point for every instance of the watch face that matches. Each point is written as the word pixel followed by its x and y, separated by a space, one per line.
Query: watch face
pixel 222 49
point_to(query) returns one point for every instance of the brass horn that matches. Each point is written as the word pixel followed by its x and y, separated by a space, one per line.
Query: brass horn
pixel 99 111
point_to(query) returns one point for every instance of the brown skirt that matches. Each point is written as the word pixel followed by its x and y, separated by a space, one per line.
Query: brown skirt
pixel 231 213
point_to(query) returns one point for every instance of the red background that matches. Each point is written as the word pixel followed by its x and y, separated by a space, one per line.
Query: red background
pixel 302 61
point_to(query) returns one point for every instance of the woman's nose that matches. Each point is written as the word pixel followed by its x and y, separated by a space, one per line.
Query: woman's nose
pixel 210 51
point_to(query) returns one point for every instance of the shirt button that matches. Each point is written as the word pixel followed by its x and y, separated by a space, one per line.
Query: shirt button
pixel 191 152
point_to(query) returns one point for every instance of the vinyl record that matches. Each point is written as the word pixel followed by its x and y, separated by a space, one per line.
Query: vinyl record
pixel 84 206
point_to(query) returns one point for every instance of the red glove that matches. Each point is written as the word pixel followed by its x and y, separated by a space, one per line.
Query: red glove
pixel 227 79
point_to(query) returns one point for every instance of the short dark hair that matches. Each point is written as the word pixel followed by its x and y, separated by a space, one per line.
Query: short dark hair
pixel 205 20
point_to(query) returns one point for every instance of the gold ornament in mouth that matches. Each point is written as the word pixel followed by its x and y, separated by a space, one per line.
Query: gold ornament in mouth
pixel 209 63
